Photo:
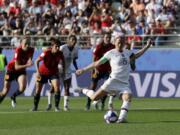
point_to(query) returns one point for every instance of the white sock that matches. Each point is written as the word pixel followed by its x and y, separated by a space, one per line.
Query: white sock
pixel 124 110
pixel 95 102
pixel 110 100
pixel 88 92
pixel 66 100
pixel 49 98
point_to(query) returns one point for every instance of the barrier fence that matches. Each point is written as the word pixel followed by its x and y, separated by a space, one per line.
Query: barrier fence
pixel 86 41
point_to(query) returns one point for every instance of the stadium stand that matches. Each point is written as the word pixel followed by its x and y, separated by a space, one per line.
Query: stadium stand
pixel 88 19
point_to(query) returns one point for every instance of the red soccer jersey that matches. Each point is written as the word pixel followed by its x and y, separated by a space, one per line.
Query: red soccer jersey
pixel 99 52
pixel 22 57
pixel 50 62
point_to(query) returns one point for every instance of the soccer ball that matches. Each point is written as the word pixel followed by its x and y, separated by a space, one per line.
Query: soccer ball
pixel 110 116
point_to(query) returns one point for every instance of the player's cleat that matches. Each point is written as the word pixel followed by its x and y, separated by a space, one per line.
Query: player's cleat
pixel 34 109
pixel 13 102
pixel 49 107
pixel 66 108
pixel 57 109
pixel 121 121
pixel 78 89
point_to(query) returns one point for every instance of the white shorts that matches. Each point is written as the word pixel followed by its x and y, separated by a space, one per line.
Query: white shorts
pixel 114 86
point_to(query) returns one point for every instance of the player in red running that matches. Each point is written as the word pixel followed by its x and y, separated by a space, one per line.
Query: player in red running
pixel 48 70
pixel 16 70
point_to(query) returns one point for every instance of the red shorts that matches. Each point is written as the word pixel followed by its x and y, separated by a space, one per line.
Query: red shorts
pixel 10 76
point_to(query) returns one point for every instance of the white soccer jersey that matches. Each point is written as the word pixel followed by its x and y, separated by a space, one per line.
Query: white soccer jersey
pixel 120 63
pixel 68 57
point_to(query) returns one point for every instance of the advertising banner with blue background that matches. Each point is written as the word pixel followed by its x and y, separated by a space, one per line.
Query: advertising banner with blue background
pixel 157 74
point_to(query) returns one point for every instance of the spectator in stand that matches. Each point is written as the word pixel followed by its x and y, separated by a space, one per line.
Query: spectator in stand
pixel 137 6
pixel 142 28
pixel 18 25
pixel 81 17
pixel 31 26
pixel 153 6
pixel 15 41
pixel 149 16
pixel 166 18
pixel 129 26
pixel 134 40
pixel 95 16
pixel 140 16
pixel 23 4
pixel 54 2
pixel 157 28
pixel 96 33
pixel 5 6
pixel 5 31
pixel 123 14
pixel 106 20
pixel 117 29
pixel 35 9
pixel 14 8
pixel 68 20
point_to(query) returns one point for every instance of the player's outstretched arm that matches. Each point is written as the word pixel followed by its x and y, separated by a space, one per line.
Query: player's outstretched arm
pixel 143 50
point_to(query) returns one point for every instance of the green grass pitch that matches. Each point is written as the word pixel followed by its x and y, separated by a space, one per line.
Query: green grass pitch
pixel 146 117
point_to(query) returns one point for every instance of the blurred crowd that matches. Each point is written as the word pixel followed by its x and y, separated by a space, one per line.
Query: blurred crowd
pixel 86 18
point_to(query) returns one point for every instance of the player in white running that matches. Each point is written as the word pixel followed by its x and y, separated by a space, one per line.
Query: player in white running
pixel 118 82
pixel 70 52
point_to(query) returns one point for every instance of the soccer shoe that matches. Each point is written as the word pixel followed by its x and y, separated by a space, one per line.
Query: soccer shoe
pixel 66 108
pixel 78 89
pixel 49 107
pixel 13 102
pixel 57 109
pixel 121 121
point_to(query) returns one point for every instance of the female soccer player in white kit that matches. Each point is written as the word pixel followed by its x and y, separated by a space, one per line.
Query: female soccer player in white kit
pixel 118 82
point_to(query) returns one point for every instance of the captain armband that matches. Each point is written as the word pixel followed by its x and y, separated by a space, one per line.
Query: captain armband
pixel 103 60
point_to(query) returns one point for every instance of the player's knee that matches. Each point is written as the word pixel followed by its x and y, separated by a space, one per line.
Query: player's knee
pixel 127 97
pixel 56 89
pixel 5 91
pixel 94 98
pixel 22 88
pixel 52 90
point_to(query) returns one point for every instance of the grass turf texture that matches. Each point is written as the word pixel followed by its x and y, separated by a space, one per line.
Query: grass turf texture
pixel 146 117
